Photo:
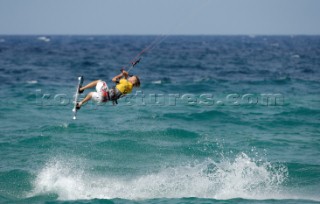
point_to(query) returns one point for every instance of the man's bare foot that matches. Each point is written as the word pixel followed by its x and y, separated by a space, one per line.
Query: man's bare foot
pixel 80 90
pixel 78 106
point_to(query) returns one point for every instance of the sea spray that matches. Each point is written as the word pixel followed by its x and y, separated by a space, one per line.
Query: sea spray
pixel 240 177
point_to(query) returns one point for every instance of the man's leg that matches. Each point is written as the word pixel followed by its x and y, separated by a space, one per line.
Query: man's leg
pixel 85 100
pixel 90 85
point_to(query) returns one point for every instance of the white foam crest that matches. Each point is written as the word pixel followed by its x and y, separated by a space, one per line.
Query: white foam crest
pixel 295 56
pixel 157 82
pixel 32 82
pixel 246 178
pixel 58 177
pixel 241 177
pixel 44 39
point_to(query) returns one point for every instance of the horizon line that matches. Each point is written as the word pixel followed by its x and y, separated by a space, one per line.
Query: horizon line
pixel 82 34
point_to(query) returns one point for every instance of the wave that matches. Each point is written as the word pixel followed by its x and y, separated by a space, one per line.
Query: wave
pixel 241 177
pixel 199 116
pixel 300 111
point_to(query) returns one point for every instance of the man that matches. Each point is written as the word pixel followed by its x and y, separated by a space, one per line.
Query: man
pixel 124 85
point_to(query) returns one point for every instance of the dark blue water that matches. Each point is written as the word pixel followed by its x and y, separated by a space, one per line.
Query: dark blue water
pixel 218 119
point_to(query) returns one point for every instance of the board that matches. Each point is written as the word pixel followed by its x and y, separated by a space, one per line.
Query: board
pixel 76 97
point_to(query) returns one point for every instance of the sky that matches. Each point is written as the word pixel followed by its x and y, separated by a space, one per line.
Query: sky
pixel 154 17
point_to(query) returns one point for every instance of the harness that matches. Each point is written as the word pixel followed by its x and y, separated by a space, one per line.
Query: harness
pixel 112 94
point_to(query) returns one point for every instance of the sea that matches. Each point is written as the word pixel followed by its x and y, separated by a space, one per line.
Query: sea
pixel 217 119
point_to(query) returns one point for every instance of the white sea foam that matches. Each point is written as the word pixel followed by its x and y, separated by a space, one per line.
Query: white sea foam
pixel 241 177
pixel 156 82
pixel 32 82
pixel 44 39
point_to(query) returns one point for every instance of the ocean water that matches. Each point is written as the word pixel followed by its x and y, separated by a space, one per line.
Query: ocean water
pixel 218 119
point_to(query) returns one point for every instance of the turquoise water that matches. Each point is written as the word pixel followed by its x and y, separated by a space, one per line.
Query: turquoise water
pixel 218 119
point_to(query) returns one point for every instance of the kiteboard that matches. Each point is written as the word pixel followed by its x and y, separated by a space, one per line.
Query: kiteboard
pixel 76 97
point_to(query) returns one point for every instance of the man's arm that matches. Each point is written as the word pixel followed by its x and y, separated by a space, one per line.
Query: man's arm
pixel 123 74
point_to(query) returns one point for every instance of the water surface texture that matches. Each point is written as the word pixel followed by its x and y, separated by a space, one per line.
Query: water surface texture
pixel 218 119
